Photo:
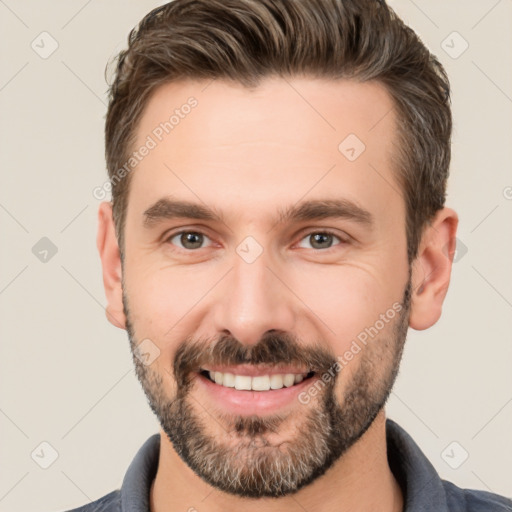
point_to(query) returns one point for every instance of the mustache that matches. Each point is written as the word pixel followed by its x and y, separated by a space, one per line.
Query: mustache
pixel 274 348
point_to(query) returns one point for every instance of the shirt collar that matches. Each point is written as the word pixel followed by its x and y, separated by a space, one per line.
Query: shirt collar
pixel 139 477
pixel 422 488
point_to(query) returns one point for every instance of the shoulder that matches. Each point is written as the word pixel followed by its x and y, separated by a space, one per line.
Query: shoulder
pixel 473 500
pixel 111 502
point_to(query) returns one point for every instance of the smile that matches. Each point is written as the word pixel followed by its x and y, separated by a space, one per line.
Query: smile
pixel 268 382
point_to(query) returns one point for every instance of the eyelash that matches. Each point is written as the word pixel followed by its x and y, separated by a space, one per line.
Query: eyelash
pixel 305 235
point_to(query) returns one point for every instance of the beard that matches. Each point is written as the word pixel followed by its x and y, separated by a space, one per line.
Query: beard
pixel 242 458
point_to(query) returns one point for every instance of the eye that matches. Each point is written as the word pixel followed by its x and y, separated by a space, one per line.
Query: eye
pixel 190 240
pixel 193 240
pixel 321 240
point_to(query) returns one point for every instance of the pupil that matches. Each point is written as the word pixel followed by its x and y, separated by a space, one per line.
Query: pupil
pixel 319 236
pixel 188 238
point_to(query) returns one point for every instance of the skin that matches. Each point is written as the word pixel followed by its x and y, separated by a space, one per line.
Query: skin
pixel 248 153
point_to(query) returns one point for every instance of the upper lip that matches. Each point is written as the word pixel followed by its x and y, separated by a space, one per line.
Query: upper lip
pixel 255 371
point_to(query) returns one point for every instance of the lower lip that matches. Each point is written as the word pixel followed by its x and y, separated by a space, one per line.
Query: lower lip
pixel 253 402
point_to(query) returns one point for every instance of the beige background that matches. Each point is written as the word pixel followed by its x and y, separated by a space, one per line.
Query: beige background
pixel 66 374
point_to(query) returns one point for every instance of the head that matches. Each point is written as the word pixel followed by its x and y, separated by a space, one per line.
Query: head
pixel 294 122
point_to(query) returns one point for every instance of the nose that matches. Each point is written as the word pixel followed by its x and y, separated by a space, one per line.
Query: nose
pixel 253 300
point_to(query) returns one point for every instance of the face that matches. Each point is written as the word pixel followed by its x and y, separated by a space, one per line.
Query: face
pixel 261 241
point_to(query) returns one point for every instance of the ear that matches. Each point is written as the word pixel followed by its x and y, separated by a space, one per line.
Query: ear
pixel 431 270
pixel 108 248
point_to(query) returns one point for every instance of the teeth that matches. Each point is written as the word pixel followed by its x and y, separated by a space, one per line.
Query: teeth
pixel 259 383
pixel 228 379
pixel 242 382
pixel 276 381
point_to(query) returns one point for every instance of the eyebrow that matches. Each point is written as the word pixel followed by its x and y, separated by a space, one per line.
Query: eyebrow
pixel 167 209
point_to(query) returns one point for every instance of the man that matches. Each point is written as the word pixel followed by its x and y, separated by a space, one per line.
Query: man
pixel 278 172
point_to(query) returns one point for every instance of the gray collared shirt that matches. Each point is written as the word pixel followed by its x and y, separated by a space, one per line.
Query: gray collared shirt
pixel 422 488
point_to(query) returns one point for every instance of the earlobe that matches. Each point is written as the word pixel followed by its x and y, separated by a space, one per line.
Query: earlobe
pixel 108 249
pixel 432 270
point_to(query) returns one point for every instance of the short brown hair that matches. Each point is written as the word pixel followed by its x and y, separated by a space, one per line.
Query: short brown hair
pixel 248 40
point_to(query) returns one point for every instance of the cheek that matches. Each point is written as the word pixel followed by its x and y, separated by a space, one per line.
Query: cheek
pixel 163 300
pixel 343 301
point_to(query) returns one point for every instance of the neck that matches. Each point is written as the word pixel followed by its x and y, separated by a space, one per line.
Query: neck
pixel 360 481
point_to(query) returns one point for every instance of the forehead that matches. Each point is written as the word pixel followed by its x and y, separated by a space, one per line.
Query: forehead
pixel 285 137
pixel 229 113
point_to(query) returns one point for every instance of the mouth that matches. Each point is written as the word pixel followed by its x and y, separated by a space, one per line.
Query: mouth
pixel 259 394
pixel 262 382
